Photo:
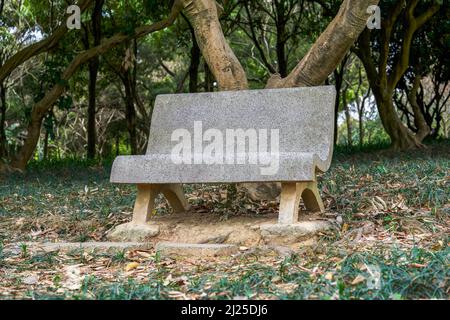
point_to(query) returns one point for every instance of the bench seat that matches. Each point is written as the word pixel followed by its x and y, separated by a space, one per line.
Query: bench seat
pixel 158 168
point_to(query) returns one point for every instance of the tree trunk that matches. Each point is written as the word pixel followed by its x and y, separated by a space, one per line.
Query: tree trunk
pixel 331 47
pixel 337 86
pixel 423 129
pixel 401 137
pixel 338 80
pixel 91 130
pixel 45 151
pixel 2 4
pixel 130 112
pixel 93 71
pixel 281 42
pixel 348 120
pixel 208 85
pixel 27 150
pixel 361 126
pixel 3 149
pixel 195 62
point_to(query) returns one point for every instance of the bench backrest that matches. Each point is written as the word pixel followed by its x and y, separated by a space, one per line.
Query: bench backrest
pixel 303 116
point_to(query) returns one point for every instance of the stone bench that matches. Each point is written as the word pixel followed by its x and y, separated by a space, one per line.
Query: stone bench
pixel 254 136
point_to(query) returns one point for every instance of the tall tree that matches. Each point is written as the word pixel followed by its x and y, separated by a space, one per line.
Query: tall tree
pixel 386 61
pixel 423 92
pixel 93 66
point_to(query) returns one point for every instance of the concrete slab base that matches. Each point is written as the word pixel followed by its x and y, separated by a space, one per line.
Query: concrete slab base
pixel 174 249
pixel 133 232
pixel 286 234
pixel 16 248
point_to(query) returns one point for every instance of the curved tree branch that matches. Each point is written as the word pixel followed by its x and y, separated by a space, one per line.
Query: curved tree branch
pixel 331 47
pixel 39 47
pixel 413 24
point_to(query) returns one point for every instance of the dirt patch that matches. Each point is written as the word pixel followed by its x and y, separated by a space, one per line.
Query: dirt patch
pixel 206 228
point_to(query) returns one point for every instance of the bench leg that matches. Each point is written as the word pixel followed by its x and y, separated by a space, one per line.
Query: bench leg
pixel 175 195
pixel 145 202
pixel 311 196
pixel 289 202
pixel 146 196
pixel 291 193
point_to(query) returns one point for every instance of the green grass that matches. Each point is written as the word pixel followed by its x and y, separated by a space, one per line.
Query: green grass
pixel 72 200
pixel 403 274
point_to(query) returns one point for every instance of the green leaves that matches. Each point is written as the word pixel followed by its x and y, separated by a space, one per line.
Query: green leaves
pixel 65 102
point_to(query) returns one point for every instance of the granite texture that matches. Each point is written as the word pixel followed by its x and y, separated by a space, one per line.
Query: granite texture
pixel 303 116
pixel 134 232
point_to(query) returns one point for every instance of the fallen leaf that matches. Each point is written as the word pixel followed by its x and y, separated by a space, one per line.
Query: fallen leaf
pixel 131 266
pixel 344 227
pixel 359 278
pixel 418 265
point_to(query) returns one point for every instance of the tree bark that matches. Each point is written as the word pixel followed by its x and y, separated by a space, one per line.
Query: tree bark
pixel 338 80
pixel 194 65
pixel 93 72
pixel 45 150
pixel 326 53
pixel 423 129
pixel 401 137
pixel 348 120
pixel 130 112
pixel 281 38
pixel 361 108
pixel 337 85
pixel 209 78
pixel 361 127
pixel 91 130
